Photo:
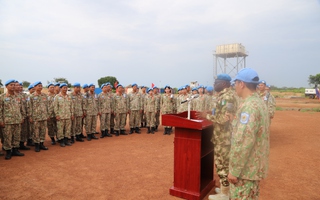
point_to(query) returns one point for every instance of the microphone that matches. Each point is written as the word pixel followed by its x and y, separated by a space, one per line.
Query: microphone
pixel 189 99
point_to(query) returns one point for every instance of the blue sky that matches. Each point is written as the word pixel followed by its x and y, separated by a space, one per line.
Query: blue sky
pixel 160 42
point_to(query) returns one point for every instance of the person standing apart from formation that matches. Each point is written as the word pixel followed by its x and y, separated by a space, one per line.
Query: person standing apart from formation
pixel 135 109
pixel 121 105
pixel 150 109
pixel 105 108
pixel 249 154
pixel 221 138
pixel 63 109
pixel 10 120
pixel 77 101
pixel 167 106
pixel 91 112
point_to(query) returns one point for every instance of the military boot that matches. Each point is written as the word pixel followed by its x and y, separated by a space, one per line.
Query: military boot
pixel 16 152
pixel 131 130
pixel 123 132
pixel 8 154
pixel 107 134
pixel 22 147
pixel 152 130
pixel 66 142
pixel 165 131
pixel 79 139
pixel 62 144
pixel 137 129
pixel 155 128
pixel 82 136
pixel 149 130
pixel 102 134
pixel 117 133
pixel 72 139
pixel 42 147
pixel 30 142
pixel 93 136
pixel 36 147
pixel 112 131
pixel 53 141
pixel 89 137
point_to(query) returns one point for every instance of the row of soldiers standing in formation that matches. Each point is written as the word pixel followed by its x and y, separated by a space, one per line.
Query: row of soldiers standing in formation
pixel 26 117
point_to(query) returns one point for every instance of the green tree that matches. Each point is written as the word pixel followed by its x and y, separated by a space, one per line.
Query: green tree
pixel 25 84
pixel 62 80
pixel 314 80
pixel 1 83
pixel 106 79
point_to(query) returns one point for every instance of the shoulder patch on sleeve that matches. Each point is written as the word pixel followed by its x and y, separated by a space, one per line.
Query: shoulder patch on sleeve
pixel 244 118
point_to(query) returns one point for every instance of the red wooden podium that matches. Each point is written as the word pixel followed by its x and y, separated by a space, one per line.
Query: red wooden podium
pixel 193 155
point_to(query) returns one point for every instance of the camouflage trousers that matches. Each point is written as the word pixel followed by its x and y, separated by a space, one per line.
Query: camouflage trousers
pixel 63 128
pixel 91 124
pixel 112 121
pixel 167 112
pixel 120 121
pixel 143 117
pixel 105 121
pixel 39 134
pixel 52 127
pixel 11 136
pixel 151 119
pixel 157 118
pixel 31 130
pixel 76 127
pixel 221 160
pixel 24 130
pixel 134 118
pixel 245 190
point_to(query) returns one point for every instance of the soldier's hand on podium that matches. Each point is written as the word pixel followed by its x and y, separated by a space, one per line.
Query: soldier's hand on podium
pixel 232 179
pixel 201 115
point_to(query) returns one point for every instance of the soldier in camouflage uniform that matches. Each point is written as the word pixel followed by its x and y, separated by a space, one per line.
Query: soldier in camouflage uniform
pixel 91 112
pixel 135 108
pixel 52 122
pixel 221 138
pixel 63 109
pixel 143 96
pixel 24 125
pixel 77 100
pixel 57 88
pixel 11 117
pixel 250 139
pixel 30 126
pixel 85 89
pixel 268 99
pixel 183 97
pixel 200 103
pixel 150 109
pixel 38 115
pixel 167 106
pixel 105 108
pixel 211 100
pixel 158 98
pixel 121 105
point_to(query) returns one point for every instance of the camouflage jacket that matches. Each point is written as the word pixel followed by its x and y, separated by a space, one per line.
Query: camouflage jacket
pixel 143 96
pixel 168 103
pixel 270 101
pixel 200 103
pixel 158 99
pixel 226 102
pixel 24 98
pixel 38 107
pixel 183 107
pixel 150 104
pixel 50 104
pixel 121 103
pixel 91 104
pixel 135 100
pixel 63 106
pixel 105 102
pixel 249 154
pixel 77 101
pixel 211 103
pixel 10 109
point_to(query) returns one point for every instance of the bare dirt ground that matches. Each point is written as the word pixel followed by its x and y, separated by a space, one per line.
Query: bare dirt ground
pixel 141 166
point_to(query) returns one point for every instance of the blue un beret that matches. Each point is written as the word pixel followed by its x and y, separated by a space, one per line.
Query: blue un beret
pixel 49 85
pixel 247 75
pixel 167 86
pixel 91 84
pixel 102 85
pixel 76 85
pixel 21 83
pixel 263 81
pixel 224 77
pixel 36 83
pixel 119 85
pixel 150 89
pixel 209 88
pixel 9 81
pixel 30 87
pixel 57 84
pixel 134 84
pixel 63 84
pixel 85 86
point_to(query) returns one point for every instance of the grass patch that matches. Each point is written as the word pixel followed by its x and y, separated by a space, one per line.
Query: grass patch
pixel 279 108
pixel 310 110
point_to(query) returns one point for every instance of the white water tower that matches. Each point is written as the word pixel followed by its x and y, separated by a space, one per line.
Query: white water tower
pixel 229 59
